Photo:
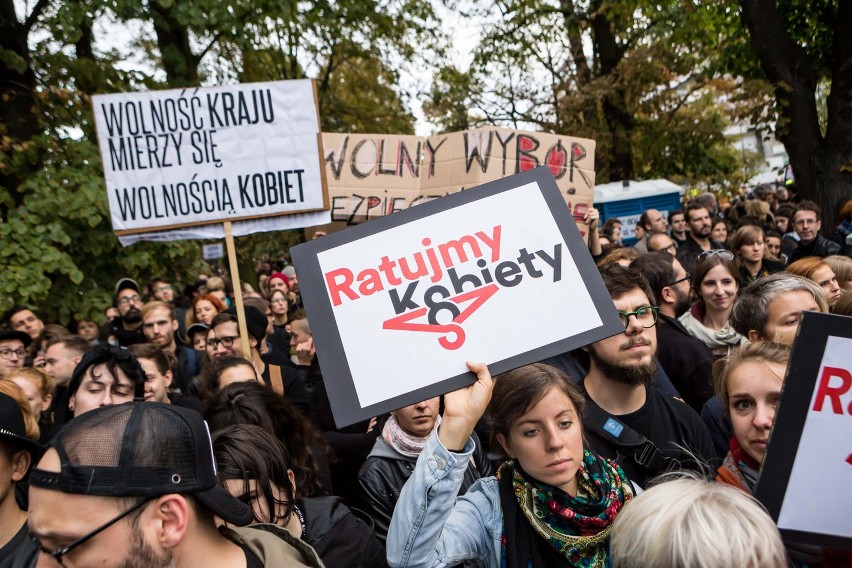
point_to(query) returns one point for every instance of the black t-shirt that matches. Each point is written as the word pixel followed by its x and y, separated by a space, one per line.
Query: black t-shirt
pixel 292 377
pixel 20 552
pixel 668 423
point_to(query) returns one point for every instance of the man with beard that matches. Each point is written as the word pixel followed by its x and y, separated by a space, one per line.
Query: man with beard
pixel 160 324
pixel 687 361
pixel 127 327
pixel 700 226
pixel 626 419
pixel 134 485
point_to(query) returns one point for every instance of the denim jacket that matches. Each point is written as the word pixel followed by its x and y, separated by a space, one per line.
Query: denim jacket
pixel 432 528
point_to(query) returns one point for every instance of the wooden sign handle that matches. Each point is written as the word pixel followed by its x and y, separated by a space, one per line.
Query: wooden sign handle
pixel 238 290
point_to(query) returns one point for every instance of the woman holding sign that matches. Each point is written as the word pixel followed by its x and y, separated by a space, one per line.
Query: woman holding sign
pixel 551 504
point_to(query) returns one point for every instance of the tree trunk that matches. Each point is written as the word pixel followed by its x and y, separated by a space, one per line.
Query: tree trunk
pixel 618 117
pixel 180 64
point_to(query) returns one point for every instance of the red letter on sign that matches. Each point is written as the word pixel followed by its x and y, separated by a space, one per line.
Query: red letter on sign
pixel 832 393
pixel 345 286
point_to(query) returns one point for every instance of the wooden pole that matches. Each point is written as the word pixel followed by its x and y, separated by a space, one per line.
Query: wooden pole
pixel 238 290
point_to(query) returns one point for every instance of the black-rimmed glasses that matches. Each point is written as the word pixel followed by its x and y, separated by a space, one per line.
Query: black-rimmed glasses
pixel 227 341
pixel 679 280
pixel 645 315
pixel 60 552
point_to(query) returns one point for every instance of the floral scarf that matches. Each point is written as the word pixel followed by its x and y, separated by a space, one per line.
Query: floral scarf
pixel 738 469
pixel 576 527
pixel 406 444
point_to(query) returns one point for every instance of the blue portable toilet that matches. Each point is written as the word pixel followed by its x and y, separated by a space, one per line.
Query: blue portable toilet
pixel 628 199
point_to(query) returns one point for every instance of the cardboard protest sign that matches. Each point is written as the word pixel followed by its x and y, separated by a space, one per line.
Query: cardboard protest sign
pixel 372 175
pixel 497 273
pixel 806 474
pixel 187 157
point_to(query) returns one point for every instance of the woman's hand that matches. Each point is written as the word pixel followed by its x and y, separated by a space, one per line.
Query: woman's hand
pixel 463 408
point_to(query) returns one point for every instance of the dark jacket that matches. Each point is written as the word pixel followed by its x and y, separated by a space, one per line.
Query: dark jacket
pixel 124 337
pixel 687 361
pixel 340 535
pixel 385 472
pixel 820 247
pixel 188 366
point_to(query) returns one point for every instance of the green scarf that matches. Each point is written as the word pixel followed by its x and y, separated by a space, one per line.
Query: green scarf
pixel 577 527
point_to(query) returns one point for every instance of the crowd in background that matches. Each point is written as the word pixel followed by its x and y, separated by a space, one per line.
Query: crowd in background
pixel 642 449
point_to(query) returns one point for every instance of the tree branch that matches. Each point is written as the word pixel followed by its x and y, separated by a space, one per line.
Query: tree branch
pixel 37 10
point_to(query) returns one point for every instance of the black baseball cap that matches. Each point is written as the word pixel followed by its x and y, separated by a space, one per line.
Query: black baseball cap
pixel 12 427
pixel 125 283
pixel 140 449
pixel 256 322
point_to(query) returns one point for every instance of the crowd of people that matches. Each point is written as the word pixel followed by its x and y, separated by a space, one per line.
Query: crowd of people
pixel 154 440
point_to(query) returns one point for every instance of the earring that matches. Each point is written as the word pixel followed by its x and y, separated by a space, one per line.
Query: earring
pixel 71 406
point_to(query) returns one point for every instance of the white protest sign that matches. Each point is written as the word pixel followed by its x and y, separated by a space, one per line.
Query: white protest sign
pixel 186 157
pixel 807 470
pixel 497 273
pixel 213 251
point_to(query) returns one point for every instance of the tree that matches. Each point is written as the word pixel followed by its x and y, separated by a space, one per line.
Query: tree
pixel 799 44
pixel 58 250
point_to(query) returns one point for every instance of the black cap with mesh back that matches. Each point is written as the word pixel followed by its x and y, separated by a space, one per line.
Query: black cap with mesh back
pixel 140 449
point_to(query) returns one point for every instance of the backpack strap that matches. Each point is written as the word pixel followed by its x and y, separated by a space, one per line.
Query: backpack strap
pixel 636 446
pixel 275 379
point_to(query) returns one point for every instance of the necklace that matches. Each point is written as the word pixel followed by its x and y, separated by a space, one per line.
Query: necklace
pixel 301 520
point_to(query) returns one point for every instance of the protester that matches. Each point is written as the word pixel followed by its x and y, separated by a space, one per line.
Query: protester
pixel 157 504
pixel 687 361
pixel 720 231
pixel 22 318
pixel 690 522
pixel 38 388
pixel 61 358
pixel 156 365
pixel 715 283
pixel 12 350
pixel 612 230
pixel 204 309
pixel 654 223
pixel 9 388
pixel 661 241
pixel 38 348
pixel 254 467
pixel 622 256
pixel 660 433
pixel 773 247
pixel 748 383
pixel 274 368
pixel 106 376
pixel 87 329
pixel 127 326
pixel 226 370
pixel 699 241
pixel 554 501
pixel 279 302
pixel 749 246
pixel 394 456
pixel 160 325
pixel 277 281
pixel 843 226
pixel 815 269
pixel 17 452
pixel 677 223
pixel 842 268
pixel 807 224
pixel 196 336
pixel 843 307
pixel 248 402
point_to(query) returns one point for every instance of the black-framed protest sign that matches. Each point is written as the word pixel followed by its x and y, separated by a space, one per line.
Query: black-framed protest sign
pixel 497 273
pixel 805 479
pixel 187 157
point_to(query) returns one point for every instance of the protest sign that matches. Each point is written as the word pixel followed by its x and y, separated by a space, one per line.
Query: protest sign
pixel 807 469
pixel 498 273
pixel 372 175
pixel 187 157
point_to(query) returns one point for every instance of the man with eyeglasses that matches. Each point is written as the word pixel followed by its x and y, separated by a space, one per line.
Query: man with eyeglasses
pixel 127 327
pixel 687 361
pixel 661 241
pixel 626 418
pixel 13 351
pixel 273 367
pixel 807 224
pixel 135 485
